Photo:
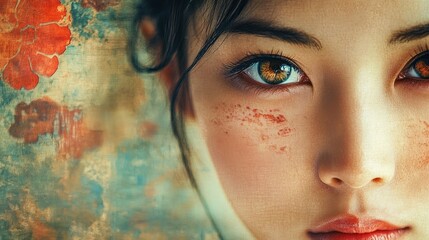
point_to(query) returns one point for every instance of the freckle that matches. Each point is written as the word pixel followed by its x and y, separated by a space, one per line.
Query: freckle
pixel 426 130
pixel 216 122
pixel 247 107
pixel 423 162
pixel 239 105
pixel 284 132
pixel 272 147
pixel 264 137
pixel 226 132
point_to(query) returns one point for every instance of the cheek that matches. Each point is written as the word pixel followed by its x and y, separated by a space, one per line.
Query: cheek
pixel 420 138
pixel 249 128
pixel 251 148
pixel 413 163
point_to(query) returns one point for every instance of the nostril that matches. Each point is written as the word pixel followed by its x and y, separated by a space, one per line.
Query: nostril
pixel 336 181
pixel 377 180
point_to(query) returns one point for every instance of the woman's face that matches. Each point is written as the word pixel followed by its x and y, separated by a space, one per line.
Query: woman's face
pixel 316 117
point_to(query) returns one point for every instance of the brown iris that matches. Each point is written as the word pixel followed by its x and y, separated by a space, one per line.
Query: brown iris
pixel 422 67
pixel 274 71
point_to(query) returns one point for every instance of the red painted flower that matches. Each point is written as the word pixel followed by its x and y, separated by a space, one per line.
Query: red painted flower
pixel 31 37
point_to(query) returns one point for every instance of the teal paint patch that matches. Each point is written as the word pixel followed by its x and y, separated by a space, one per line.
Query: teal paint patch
pixel 4 230
pixel 81 18
pixel 6 93
pixel 138 167
pixel 89 23
pixel 24 178
pixel 129 201
pixel 93 197
pixel 106 21
pixel 9 95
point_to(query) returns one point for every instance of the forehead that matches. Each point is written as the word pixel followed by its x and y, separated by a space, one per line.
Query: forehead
pixel 341 18
pixel 356 10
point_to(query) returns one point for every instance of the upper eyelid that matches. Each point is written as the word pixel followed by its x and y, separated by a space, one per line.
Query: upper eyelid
pixel 410 62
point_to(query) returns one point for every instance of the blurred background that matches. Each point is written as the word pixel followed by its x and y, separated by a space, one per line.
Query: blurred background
pixel 86 150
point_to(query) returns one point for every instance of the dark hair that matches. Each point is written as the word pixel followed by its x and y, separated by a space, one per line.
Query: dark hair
pixel 171 20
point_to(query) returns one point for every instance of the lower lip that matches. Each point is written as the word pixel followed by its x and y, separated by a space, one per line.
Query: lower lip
pixel 376 235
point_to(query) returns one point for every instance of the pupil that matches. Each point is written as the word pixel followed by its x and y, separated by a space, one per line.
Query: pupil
pixel 277 67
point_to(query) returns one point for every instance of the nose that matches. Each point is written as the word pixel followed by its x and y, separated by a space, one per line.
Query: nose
pixel 359 144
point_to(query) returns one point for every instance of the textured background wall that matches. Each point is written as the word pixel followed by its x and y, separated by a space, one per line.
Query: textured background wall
pixel 86 150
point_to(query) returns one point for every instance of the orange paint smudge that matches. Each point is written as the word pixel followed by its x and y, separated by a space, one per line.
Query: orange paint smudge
pixel 278 149
pixel 284 132
pixel 44 116
pixel 75 137
pixel 268 116
pixel 270 125
pixel 148 130
pixel 248 115
pixel 41 231
pixel 100 5
pixel 34 119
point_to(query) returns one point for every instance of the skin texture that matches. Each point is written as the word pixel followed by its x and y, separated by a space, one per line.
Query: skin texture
pixel 353 141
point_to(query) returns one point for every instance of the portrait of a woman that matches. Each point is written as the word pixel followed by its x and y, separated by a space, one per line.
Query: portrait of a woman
pixel 214 119
pixel 299 119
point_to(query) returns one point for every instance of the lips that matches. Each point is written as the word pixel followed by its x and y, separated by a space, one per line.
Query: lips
pixel 350 227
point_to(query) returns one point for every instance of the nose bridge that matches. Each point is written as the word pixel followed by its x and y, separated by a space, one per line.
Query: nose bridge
pixel 358 149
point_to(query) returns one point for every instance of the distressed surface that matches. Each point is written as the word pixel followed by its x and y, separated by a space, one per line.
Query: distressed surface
pixel 86 150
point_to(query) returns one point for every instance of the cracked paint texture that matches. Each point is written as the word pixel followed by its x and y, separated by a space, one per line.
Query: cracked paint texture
pixel 86 150
pixel 33 34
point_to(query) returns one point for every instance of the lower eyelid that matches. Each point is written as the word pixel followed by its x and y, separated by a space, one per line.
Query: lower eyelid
pixel 242 83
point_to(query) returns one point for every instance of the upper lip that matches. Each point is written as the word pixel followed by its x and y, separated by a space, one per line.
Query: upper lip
pixel 351 224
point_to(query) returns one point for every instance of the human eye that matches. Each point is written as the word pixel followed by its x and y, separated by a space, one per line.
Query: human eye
pixel 270 72
pixel 417 70
pixel 274 72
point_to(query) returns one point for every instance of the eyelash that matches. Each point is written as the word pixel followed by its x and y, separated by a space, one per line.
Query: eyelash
pixel 234 70
pixel 417 53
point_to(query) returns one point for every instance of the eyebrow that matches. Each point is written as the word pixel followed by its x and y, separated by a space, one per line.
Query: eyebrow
pixel 410 34
pixel 267 29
